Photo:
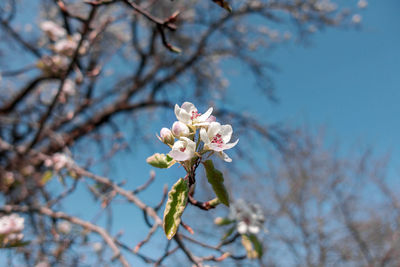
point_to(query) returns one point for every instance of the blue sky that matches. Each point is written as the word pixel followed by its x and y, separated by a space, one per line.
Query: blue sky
pixel 346 80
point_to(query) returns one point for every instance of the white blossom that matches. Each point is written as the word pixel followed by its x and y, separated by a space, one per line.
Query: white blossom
pixel 183 149
pixel 217 138
pixel 97 246
pixel 249 217
pixel 43 264
pixel 166 136
pixel 11 224
pixel 58 161
pixel 362 4
pixel 325 6
pixel 69 87
pixel 188 114
pixel 53 30
pixel 64 227
pixel 65 47
pixel 356 18
pixel 180 129
pixel 68 45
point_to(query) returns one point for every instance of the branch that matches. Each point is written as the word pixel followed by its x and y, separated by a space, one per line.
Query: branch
pixel 127 194
pixel 19 39
pixel 8 107
pixel 60 215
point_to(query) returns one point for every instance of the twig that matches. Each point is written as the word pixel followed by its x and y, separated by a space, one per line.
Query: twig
pixel 144 241
pixel 17 37
pixel 127 248
pixel 127 194
pixel 166 254
pixel 163 198
pixel 202 205
pixel 150 17
pixel 60 215
pixel 145 185
pixel 22 94
pixel 188 254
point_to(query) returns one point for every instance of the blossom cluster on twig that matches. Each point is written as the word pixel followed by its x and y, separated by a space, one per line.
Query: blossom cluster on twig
pixel 11 227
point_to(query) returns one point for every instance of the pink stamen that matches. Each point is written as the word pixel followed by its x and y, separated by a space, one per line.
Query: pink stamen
pixel 217 139
pixel 182 149
pixel 195 114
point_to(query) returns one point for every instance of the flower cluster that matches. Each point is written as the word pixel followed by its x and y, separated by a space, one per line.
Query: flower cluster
pixel 11 227
pixel 63 45
pixel 191 125
pixel 248 216
pixel 59 161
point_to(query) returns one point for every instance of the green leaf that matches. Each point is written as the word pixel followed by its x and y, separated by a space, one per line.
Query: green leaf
pixel 257 245
pixel 252 246
pixel 228 233
pixel 47 176
pixel 161 161
pixel 177 199
pixel 223 221
pixel 224 4
pixel 216 180
pixel 17 244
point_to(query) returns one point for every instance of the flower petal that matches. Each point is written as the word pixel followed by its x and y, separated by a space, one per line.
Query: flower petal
pixel 221 147
pixel 179 155
pixel 204 123
pixel 178 145
pixel 213 129
pixel 254 229
pixel 188 107
pixel 216 147
pixel 182 115
pixel 224 156
pixel 204 136
pixel 230 145
pixel 226 133
pixel 205 116
pixel 242 227
pixel 180 129
pixel 177 110
pixel 190 145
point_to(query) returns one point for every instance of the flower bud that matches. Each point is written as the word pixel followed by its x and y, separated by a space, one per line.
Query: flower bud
pixel 161 161
pixel 222 221
pixel 180 129
pixel 211 119
pixel 64 227
pixel 166 136
pixel 97 247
